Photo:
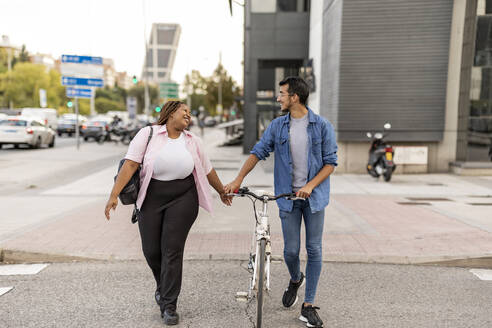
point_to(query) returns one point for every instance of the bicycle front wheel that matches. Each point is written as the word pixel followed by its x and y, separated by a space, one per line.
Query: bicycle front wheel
pixel 261 283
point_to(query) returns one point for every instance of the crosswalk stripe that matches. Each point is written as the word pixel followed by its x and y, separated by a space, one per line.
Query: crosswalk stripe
pixel 21 269
pixel 5 290
pixel 482 274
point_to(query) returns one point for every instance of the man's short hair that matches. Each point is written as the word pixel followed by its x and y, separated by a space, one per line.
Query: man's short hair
pixel 297 86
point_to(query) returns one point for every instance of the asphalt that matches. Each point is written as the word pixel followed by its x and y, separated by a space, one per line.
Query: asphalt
pixel 120 294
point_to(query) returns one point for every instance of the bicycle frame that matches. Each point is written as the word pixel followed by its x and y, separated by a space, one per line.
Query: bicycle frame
pixel 260 262
pixel 262 231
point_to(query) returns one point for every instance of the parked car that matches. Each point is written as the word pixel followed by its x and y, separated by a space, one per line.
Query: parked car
pixel 45 115
pixel 209 121
pixel 22 130
pixel 67 126
pixel 95 128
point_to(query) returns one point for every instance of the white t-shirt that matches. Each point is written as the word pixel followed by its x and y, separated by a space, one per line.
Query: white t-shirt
pixel 173 161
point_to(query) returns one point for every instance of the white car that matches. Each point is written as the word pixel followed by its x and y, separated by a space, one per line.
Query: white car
pixel 22 130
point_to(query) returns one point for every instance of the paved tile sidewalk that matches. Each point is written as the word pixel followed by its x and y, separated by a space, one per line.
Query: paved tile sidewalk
pixel 365 221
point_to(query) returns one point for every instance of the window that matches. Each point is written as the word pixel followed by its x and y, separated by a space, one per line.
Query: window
pixel 161 75
pixel 13 123
pixel 293 5
pixel 263 6
pixel 483 43
pixel 165 35
pixel 488 6
pixel 163 57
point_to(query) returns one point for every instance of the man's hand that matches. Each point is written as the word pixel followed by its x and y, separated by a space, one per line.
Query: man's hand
pixel 305 191
pixel 232 186
pixel 111 204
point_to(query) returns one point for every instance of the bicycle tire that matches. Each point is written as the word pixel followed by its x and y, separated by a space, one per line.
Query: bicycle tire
pixel 261 281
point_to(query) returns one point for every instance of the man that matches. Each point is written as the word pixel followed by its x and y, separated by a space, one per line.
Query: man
pixel 305 156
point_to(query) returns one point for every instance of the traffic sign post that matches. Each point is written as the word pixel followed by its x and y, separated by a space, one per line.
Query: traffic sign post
pixel 81 71
pixel 169 90
pixel 131 107
pixel 79 81
pixel 78 93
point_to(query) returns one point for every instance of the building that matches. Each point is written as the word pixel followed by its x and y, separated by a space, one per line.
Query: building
pixel 44 59
pixel 161 52
pixel 110 74
pixel 12 50
pixel 276 44
pixel 424 66
pixel 123 80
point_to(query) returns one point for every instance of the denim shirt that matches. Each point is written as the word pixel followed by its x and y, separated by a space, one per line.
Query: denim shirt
pixel 322 148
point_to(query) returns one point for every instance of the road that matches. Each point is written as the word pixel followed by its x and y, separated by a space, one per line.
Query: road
pixel 120 294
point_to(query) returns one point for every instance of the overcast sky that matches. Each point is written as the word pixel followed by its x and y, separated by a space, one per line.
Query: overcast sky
pixel 115 29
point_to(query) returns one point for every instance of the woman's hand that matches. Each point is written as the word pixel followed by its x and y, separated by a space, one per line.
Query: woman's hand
pixel 227 200
pixel 111 204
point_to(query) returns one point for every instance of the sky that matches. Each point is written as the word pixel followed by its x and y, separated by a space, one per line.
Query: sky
pixel 115 29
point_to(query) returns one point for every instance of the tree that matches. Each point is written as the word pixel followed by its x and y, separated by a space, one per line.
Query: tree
pixel 204 91
pixel 229 89
pixel 22 58
pixel 115 94
pixel 22 84
pixel 104 105
pixel 138 92
pixel 195 86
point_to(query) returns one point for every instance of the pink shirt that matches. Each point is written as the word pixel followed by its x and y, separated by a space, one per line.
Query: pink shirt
pixel 203 166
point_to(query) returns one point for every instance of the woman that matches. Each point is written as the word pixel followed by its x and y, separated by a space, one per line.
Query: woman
pixel 175 180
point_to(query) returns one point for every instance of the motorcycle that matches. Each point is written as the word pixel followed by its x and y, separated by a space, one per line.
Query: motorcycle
pixel 116 134
pixel 380 155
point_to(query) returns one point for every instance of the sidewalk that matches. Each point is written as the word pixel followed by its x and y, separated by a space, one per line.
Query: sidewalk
pixel 414 219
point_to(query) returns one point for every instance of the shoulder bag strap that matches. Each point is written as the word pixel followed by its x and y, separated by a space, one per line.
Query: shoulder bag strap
pixel 148 140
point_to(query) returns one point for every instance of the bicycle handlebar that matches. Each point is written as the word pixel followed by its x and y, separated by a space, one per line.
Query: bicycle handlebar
pixel 245 191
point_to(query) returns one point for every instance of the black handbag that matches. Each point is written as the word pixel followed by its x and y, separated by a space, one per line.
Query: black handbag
pixel 129 193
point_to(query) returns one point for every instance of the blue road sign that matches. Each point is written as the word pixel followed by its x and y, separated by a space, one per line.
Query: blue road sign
pixel 78 93
pixel 82 59
pixel 67 80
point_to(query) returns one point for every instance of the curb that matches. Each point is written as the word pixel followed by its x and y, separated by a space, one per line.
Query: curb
pixel 483 261
pixel 15 256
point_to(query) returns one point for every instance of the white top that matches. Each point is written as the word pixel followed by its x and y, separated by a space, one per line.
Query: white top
pixel 173 161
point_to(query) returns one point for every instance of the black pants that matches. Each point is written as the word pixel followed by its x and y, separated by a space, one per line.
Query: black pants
pixel 166 216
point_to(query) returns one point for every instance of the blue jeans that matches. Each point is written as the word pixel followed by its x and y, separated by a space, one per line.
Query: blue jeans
pixel 291 227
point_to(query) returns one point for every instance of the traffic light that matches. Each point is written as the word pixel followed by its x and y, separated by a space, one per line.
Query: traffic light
pixel 69 104
pixel 134 79
pixel 157 109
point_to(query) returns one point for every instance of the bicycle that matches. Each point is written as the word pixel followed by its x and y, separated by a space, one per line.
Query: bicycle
pixel 260 269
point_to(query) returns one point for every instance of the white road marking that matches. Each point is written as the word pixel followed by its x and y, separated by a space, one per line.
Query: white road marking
pixel 482 274
pixel 21 269
pixel 5 290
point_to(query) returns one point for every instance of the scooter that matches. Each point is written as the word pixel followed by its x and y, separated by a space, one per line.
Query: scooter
pixel 380 155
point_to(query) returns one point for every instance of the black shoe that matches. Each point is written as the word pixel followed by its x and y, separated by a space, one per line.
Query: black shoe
pixel 290 294
pixel 310 316
pixel 158 296
pixel 170 316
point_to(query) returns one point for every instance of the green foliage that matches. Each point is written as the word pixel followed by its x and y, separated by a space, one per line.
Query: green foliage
pixel 3 60
pixel 138 91
pixel 116 94
pixel 22 58
pixel 22 84
pixel 204 91
pixel 104 105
